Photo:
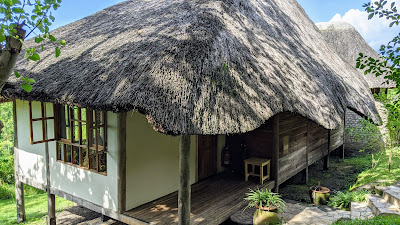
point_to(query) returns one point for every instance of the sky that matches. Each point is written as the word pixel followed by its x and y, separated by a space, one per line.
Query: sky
pixel 376 31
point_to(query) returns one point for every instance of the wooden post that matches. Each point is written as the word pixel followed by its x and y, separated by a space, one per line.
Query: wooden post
pixel 121 162
pixel 307 152
pixel 344 132
pixel 19 186
pixel 104 218
pixel 326 158
pixel 51 198
pixel 20 199
pixel 51 207
pixel 276 152
pixel 184 187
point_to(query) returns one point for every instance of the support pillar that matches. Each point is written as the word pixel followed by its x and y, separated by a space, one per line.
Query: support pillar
pixel 305 172
pixel 307 152
pixel 326 158
pixel 51 207
pixel 121 179
pixel 19 186
pixel 184 186
pixel 20 199
pixel 344 133
pixel 51 198
pixel 104 218
pixel 275 161
pixel 326 162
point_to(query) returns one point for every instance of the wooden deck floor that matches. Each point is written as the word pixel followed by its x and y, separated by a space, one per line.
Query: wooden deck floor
pixel 213 201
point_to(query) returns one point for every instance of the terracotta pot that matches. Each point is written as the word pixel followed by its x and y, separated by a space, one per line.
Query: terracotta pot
pixel 266 216
pixel 265 208
pixel 320 196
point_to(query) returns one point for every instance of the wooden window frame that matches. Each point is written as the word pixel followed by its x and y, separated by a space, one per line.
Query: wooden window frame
pixel 92 128
pixel 44 118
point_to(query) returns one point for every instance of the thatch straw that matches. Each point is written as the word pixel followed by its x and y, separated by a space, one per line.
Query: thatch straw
pixel 346 40
pixel 166 59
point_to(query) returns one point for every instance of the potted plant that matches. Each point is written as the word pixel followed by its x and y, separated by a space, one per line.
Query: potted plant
pixel 319 195
pixel 268 206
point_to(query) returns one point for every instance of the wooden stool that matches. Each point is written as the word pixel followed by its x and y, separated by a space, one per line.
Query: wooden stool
pixel 257 162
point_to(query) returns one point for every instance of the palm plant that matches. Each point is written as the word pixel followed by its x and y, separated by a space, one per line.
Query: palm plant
pixel 266 199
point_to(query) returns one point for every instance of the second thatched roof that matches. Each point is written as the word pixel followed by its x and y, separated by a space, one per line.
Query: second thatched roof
pixel 346 40
pixel 199 67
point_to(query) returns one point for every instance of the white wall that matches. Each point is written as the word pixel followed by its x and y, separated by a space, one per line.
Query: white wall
pixel 31 157
pixel 93 187
pixel 152 162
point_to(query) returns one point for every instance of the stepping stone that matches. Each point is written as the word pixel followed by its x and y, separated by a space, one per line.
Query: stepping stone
pixel 391 194
pixel 380 206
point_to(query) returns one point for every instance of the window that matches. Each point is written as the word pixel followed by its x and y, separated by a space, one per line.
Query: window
pixel 39 123
pixel 81 138
pixel 80 134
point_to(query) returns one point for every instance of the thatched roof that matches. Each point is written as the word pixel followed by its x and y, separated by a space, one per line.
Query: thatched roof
pixel 346 40
pixel 167 60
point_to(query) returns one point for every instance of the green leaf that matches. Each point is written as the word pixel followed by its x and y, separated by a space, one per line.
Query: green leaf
pixel 52 38
pixel 26 87
pixel 38 39
pixel 58 52
pixel 34 57
pixel 17 75
pixel 63 42
pixel 370 16
pixel 18 10
pixel 28 80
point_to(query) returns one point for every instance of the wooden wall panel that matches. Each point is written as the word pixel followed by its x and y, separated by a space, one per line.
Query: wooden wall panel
pixel 337 137
pixel 317 155
pixel 291 164
pixel 304 136
pixel 293 127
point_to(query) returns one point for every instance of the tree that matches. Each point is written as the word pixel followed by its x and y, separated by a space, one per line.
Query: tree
pixel 388 64
pixel 17 17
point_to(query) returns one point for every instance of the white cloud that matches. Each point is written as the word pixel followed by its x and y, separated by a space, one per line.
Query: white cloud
pixel 375 31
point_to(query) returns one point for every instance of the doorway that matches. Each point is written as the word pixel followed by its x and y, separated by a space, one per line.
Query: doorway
pixel 207 156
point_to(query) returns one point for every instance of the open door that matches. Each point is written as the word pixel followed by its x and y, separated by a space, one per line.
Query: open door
pixel 207 155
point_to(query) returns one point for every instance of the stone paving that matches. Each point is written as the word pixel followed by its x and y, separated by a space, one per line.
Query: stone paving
pixel 297 213
pixel 360 210
pixel 301 213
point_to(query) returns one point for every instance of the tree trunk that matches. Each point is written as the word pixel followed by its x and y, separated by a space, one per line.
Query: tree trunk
pixel 9 55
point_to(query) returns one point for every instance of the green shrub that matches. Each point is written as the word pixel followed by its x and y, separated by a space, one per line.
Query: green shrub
pixel 6 167
pixel 386 219
pixel 343 199
pixel 359 195
pixel 7 191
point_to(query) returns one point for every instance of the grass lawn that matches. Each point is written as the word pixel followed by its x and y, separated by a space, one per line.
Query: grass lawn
pixel 391 219
pixel 35 206
pixel 369 175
